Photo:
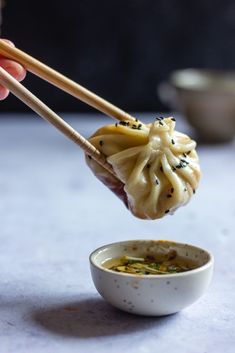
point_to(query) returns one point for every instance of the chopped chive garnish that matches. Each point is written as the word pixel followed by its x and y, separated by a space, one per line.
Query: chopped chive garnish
pixel 150 265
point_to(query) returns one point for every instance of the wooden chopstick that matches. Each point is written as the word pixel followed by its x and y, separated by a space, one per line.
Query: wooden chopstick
pixel 45 72
pixel 46 113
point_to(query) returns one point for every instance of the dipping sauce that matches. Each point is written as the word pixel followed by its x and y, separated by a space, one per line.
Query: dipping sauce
pixel 161 264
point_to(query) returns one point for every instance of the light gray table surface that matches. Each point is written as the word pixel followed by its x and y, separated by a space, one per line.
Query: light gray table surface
pixel 53 213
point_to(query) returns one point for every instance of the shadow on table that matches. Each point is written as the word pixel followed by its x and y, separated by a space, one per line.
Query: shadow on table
pixel 93 318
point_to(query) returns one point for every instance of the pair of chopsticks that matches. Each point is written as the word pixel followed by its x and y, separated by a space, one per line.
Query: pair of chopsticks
pixel 67 85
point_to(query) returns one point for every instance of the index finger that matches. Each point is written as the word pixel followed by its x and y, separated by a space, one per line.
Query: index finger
pixel 8 42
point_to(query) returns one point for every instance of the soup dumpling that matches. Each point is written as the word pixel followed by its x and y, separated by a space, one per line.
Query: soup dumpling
pixel 158 166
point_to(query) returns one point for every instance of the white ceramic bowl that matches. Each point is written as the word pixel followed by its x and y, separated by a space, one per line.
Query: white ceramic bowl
pixel 152 295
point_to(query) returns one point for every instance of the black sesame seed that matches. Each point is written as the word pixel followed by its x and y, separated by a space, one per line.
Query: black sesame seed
pixel 89 157
pixel 101 143
pixel 159 118
pixel 194 191
pixel 160 123
pixel 182 164
pixel 185 189
pixel 173 119
pixel 116 124
pixel 139 126
pixel 148 165
pixel 167 211
pixel 173 142
pixel 168 196
pixel 185 155
pixel 161 169
pixel 174 169
pixel 136 120
pixel 172 190
pixel 124 123
pixel 189 152
pixel 157 182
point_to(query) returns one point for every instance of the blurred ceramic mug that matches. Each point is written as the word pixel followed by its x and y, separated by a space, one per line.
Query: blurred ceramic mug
pixel 206 98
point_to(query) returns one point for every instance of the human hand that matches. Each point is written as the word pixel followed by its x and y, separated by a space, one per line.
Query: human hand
pixel 15 69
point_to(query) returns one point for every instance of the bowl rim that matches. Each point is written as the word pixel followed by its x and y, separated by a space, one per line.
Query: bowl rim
pixel 177 80
pixel 208 264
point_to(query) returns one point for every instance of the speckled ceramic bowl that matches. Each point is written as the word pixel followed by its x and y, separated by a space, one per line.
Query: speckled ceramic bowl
pixel 152 295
